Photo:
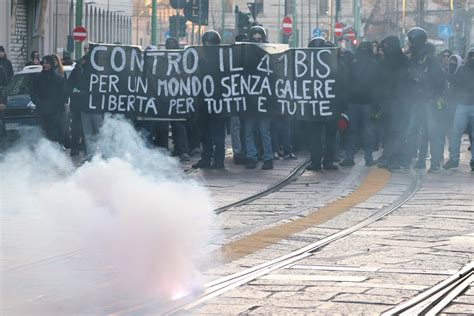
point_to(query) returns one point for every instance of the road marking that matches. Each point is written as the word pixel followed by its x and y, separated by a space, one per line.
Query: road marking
pixel 374 182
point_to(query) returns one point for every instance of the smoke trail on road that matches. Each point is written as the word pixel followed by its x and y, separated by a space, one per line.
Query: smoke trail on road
pixel 129 209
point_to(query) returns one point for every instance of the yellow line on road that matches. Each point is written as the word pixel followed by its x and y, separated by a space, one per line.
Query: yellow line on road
pixel 374 182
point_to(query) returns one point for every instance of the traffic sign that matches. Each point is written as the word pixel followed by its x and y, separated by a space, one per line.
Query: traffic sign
pixel 338 29
pixel 79 34
pixel 317 32
pixel 350 35
pixel 287 25
pixel 445 31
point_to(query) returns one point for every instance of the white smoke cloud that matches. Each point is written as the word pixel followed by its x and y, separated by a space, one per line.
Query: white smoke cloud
pixel 130 208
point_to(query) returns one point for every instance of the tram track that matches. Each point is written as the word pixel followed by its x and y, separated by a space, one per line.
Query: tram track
pixel 434 300
pixel 220 286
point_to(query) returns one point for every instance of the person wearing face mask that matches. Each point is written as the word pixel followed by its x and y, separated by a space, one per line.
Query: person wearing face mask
pixel 48 93
pixel 257 34
pixel 362 81
pixel 212 127
pixel 394 70
pixel 427 83
pixel 463 86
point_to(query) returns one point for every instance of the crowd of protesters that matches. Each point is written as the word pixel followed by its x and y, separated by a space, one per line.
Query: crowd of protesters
pixel 406 101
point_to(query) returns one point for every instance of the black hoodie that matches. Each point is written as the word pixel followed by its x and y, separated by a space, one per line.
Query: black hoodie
pixel 363 73
pixel 48 92
pixel 394 71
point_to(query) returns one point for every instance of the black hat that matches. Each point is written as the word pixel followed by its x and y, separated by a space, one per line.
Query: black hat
pixel 211 38
pixel 171 43
pixel 417 37
pixel 257 30
pixel 2 49
pixel 242 37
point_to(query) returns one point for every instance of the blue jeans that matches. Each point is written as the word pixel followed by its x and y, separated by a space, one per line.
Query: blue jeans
pixel 281 135
pixel 425 118
pixel 359 115
pixel 463 115
pixel 263 125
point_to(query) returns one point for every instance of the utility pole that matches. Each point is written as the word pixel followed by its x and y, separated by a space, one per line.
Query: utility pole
pixel 279 22
pixel 295 24
pixel 78 47
pixel 153 23
pixel 223 18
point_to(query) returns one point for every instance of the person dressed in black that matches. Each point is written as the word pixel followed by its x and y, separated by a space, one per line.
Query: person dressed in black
pixel 77 102
pixel 323 134
pixel 362 82
pixel 178 128
pixel 212 127
pixel 6 74
pixel 394 71
pixel 427 83
pixel 48 93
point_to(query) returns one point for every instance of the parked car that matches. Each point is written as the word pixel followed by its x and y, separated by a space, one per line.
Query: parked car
pixel 20 110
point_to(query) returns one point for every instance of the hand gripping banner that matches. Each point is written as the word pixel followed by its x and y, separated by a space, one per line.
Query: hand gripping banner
pixel 226 80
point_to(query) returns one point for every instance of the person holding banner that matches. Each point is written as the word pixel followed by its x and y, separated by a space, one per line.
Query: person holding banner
pixel 323 134
pixel 212 126
pixel 178 128
pixel 257 34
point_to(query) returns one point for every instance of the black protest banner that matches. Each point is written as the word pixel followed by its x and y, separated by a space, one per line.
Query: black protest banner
pixel 243 79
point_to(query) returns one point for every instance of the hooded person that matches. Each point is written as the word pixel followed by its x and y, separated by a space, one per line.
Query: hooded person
pixel 323 134
pixel 463 86
pixel 394 109
pixel 427 84
pixel 212 126
pixel 362 88
pixel 48 93
pixel 257 34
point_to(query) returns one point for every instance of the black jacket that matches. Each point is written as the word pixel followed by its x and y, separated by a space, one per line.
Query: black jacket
pixel 48 92
pixel 75 86
pixel 393 74
pixel 463 85
pixel 362 81
pixel 426 76
pixel 6 72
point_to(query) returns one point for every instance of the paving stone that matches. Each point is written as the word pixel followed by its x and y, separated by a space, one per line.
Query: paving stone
pixel 366 299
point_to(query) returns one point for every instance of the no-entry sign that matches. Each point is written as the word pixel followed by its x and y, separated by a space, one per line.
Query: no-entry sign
pixel 79 34
pixel 338 29
pixel 350 34
pixel 287 25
